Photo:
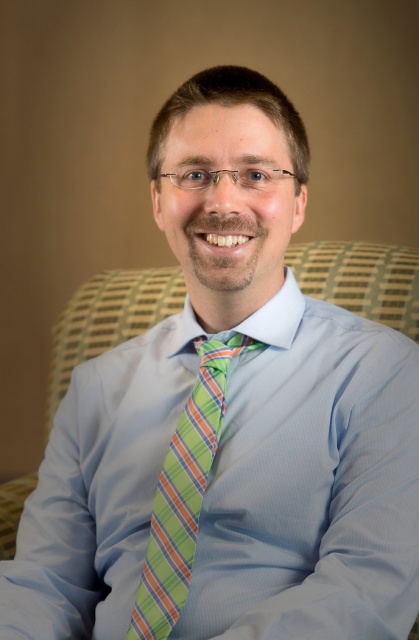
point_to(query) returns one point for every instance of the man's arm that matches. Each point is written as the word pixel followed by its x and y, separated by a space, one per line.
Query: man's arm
pixel 366 582
pixel 50 590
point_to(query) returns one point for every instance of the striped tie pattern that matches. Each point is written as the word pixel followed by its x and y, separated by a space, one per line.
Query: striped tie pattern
pixel 177 503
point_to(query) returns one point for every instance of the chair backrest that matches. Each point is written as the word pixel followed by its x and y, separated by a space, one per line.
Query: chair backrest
pixel 377 281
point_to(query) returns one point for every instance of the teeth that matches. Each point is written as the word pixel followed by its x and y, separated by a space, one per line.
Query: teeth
pixel 226 241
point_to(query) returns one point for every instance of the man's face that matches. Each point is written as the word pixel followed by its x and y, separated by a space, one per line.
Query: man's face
pixel 255 226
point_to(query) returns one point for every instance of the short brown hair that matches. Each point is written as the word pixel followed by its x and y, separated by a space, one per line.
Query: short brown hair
pixel 228 86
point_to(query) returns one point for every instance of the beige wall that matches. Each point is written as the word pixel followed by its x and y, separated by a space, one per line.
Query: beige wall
pixel 80 83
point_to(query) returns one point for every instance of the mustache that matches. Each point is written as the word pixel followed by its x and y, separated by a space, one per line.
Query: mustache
pixel 225 224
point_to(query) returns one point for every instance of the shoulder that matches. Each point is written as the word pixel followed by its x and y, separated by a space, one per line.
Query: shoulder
pixel 98 385
pixel 368 342
pixel 343 320
pixel 153 345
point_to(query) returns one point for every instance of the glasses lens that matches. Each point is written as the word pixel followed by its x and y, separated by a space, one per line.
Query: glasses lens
pixel 255 178
pixel 261 178
pixel 197 179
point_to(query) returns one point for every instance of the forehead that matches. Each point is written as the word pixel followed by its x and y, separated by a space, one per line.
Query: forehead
pixel 225 133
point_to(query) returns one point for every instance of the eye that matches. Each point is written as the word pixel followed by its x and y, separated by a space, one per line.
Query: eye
pixel 255 175
pixel 195 176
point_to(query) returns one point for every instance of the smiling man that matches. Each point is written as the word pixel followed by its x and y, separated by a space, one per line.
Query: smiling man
pixel 229 227
pixel 282 502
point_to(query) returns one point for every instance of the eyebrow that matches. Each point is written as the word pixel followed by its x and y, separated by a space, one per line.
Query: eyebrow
pixel 245 159
pixel 194 160
pixel 253 159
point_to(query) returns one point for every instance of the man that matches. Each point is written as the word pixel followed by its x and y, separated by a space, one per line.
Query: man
pixel 308 526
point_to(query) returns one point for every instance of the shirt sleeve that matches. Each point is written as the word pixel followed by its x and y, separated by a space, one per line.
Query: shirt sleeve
pixel 365 585
pixel 50 590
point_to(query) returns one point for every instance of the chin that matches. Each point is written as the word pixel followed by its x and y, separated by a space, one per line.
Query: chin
pixel 224 281
pixel 224 274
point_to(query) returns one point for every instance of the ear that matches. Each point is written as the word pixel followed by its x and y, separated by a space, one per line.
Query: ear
pixel 299 209
pixel 156 202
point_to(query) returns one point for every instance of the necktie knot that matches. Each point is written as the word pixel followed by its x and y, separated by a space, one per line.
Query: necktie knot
pixel 214 354
pixel 217 355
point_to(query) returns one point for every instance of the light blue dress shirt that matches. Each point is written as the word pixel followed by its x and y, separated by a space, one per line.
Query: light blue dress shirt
pixel 309 527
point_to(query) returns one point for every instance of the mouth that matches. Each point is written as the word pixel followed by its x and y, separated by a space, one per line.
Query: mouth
pixel 225 241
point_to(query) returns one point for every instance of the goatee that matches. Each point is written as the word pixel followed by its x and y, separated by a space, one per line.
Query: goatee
pixel 224 273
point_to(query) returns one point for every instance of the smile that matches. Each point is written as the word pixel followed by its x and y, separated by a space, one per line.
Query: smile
pixel 226 241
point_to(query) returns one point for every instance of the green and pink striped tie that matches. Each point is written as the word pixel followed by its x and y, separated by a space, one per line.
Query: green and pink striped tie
pixel 178 500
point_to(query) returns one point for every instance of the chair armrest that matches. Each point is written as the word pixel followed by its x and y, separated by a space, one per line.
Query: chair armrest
pixel 12 497
pixel 414 634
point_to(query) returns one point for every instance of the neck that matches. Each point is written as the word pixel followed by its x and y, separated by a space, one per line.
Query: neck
pixel 222 310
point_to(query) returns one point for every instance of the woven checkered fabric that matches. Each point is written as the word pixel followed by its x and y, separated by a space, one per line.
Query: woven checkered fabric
pixel 414 634
pixel 12 496
pixel 377 281
pixel 177 504
pixel 108 309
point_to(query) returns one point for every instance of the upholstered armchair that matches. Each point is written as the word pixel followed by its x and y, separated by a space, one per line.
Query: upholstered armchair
pixel 378 281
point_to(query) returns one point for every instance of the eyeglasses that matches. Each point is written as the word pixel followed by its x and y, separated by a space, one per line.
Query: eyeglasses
pixel 255 178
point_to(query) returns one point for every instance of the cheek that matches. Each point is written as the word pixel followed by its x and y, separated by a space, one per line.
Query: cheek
pixel 177 208
pixel 277 213
pixel 165 213
pixel 174 216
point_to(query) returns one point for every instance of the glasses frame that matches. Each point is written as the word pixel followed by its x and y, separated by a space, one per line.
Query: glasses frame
pixel 216 177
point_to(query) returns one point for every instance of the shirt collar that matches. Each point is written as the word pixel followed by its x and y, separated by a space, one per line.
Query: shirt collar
pixel 275 323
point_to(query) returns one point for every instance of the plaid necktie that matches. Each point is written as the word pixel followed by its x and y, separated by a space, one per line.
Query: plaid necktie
pixel 177 503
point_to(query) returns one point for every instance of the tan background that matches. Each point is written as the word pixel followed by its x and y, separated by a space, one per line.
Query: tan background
pixel 80 83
